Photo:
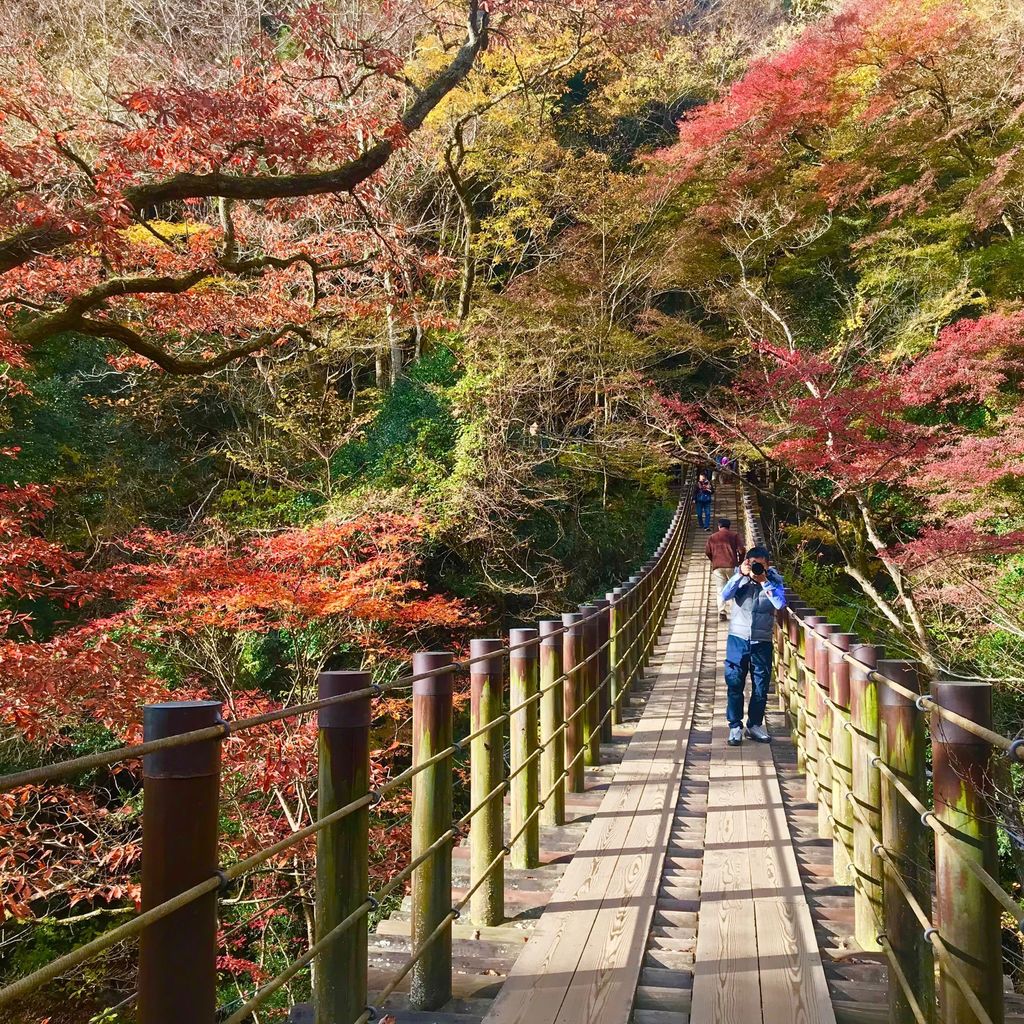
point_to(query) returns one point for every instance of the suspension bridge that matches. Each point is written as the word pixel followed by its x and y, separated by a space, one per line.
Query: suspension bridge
pixel 616 860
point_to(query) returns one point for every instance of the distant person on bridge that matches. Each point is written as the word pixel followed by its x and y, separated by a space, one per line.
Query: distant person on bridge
pixel 756 590
pixel 702 496
pixel 725 552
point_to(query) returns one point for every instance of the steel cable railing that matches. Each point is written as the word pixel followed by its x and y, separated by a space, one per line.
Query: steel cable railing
pixel 647 601
pixel 865 730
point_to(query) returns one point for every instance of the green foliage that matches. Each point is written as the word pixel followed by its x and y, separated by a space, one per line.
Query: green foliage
pixel 250 506
pixel 76 431
pixel 411 440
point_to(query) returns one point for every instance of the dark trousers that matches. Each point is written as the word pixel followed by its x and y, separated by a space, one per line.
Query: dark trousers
pixel 704 513
pixel 743 657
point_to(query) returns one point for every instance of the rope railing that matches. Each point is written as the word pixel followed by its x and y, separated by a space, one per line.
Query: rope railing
pixel 865 729
pixel 604 651
pixel 225 727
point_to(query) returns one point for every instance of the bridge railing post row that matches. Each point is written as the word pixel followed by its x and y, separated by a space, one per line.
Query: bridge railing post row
pixel 431 985
pixel 177 972
pixel 967 914
pixel 524 749
pixel 906 839
pixel 823 726
pixel 810 705
pixel 603 661
pixel 552 715
pixel 342 848
pixel 487 776
pixel 572 656
pixel 841 756
pixel 867 893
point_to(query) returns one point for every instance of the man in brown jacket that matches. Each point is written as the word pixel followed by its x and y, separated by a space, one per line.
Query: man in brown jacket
pixel 725 552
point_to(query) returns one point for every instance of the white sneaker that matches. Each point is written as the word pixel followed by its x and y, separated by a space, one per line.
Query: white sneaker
pixel 758 733
pixel 735 736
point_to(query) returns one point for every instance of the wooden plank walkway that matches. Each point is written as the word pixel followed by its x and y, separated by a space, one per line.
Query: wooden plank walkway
pixel 757 956
pixel 584 957
pixel 628 935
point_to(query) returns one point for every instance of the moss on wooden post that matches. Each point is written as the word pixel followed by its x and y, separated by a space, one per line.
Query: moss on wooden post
pixel 842 757
pixel 591 717
pixel 486 773
pixel 809 728
pixel 342 876
pixel 901 746
pixel 823 724
pixel 523 746
pixel 616 649
pixel 572 655
pixel 795 643
pixel 604 683
pixel 867 895
pixel 552 715
pixel 967 915
pixel 431 985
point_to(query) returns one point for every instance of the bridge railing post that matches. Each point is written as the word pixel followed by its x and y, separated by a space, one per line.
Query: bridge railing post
pixel 342 848
pixel 177 972
pixel 867 895
pixel 781 654
pixel 842 757
pixel 795 645
pixel 591 717
pixel 616 648
pixel 603 661
pixel 906 838
pixel 823 724
pixel 572 656
pixel 523 746
pixel 552 716
pixel 486 774
pixel 635 627
pixel 967 913
pixel 647 618
pixel 431 985
pixel 809 731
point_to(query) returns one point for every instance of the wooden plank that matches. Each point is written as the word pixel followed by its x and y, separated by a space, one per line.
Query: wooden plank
pixel 793 985
pixel 631 828
pixel 543 973
pixel 604 984
pixel 725 972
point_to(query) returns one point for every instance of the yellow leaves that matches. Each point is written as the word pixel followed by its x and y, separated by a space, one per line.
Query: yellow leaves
pixel 150 233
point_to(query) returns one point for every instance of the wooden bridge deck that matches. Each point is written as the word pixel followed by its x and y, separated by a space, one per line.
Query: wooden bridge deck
pixel 642 926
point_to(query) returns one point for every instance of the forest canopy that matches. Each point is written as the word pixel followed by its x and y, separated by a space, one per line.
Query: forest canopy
pixel 335 331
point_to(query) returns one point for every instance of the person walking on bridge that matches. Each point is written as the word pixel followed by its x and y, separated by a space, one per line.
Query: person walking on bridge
pixel 724 550
pixel 702 495
pixel 757 592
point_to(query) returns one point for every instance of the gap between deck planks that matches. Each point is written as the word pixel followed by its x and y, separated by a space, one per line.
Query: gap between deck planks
pixel 757 957
pixel 584 957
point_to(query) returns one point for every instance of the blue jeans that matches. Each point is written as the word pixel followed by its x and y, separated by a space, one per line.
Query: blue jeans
pixel 704 514
pixel 741 657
